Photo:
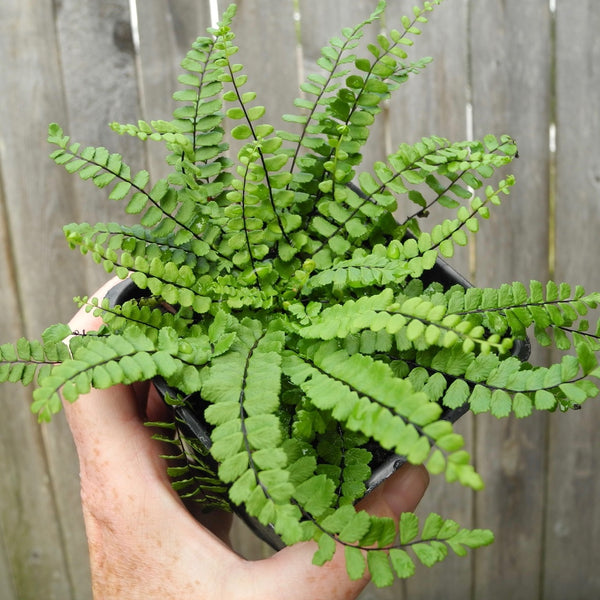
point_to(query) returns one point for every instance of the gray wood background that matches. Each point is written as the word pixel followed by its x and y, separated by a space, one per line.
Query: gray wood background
pixel 501 66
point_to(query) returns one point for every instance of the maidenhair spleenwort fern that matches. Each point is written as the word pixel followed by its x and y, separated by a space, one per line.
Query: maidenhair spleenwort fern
pixel 288 307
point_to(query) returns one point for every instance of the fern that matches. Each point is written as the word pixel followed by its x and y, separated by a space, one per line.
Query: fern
pixel 30 361
pixel 290 320
pixel 192 472
pixel 397 549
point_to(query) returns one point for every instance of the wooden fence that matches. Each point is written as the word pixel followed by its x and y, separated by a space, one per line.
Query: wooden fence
pixel 502 66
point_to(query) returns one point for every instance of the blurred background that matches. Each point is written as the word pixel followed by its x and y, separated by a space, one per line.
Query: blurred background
pixel 530 69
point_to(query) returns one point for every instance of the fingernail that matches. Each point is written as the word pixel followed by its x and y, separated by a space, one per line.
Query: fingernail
pixel 405 488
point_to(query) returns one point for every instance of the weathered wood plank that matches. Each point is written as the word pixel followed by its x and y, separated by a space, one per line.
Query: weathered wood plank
pixel 28 531
pixel 9 591
pixel 572 542
pixel 512 93
pixel 511 87
pixel 98 66
pixel 99 76
pixel 39 513
pixel 434 103
pixel 166 31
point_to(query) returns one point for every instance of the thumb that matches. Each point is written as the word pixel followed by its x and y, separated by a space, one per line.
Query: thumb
pixel 401 492
pixel 291 574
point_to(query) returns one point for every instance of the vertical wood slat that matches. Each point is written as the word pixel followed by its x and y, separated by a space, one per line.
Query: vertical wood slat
pixel 573 511
pixel 37 515
pixel 167 30
pixel 511 93
pixel 98 64
pixel 434 103
pixel 98 67
pixel 30 563
pixel 9 592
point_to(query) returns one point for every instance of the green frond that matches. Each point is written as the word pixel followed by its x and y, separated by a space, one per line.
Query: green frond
pixel 198 158
pixel 437 536
pixel 365 396
pixel 502 386
pixel 375 543
pixel 28 361
pixel 413 322
pixel 101 362
pixel 554 311
pixel 150 315
pixel 103 168
pixel 435 171
pixel 169 273
pixel 320 88
pixel 259 195
pixel 242 387
pixel 361 271
pixel 164 209
pixel 193 474
pixel 340 320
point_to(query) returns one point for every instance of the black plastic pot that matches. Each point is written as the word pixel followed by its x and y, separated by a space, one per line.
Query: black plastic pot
pixel 386 463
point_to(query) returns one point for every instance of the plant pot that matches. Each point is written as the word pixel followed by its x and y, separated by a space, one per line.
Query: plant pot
pixel 384 463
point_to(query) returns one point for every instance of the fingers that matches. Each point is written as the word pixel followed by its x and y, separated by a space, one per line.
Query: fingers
pixel 108 423
pixel 126 493
pixel 113 443
pixel 400 493
pixel 107 414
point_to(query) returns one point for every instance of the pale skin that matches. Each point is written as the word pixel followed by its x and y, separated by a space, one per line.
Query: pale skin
pixel 144 542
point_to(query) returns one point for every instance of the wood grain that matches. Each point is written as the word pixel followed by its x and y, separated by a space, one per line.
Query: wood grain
pixel 434 103
pixel 572 540
pixel 39 512
pixel 511 93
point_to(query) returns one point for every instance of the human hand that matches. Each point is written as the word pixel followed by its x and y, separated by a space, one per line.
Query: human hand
pixel 145 544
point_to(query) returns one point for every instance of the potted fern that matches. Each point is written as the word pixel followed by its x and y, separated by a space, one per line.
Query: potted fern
pixel 307 340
